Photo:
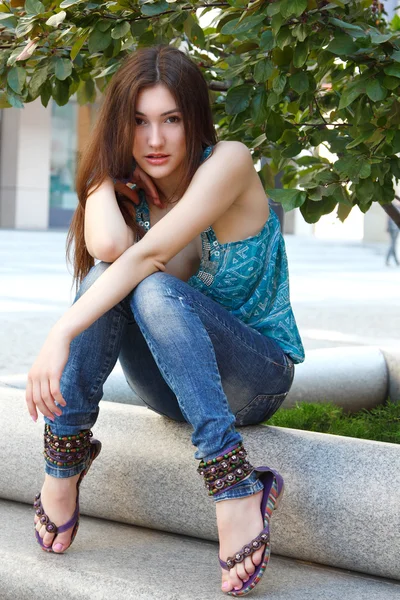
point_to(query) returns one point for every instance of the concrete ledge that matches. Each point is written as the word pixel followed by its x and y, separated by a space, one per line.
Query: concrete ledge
pixel 122 562
pixel 355 377
pixel 341 505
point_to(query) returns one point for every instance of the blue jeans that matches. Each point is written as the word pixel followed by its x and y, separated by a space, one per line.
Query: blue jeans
pixel 186 357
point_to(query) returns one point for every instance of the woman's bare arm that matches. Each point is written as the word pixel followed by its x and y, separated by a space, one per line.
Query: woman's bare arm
pixel 107 236
pixel 214 188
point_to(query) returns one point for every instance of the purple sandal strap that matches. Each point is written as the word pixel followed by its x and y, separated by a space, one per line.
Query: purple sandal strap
pixel 72 520
pixel 247 550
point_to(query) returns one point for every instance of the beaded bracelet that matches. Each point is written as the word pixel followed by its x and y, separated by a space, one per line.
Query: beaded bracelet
pixel 65 451
pixel 225 470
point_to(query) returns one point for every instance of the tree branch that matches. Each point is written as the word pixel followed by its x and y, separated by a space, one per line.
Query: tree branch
pixel 392 211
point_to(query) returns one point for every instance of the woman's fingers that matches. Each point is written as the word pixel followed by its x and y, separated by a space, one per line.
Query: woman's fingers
pixel 48 398
pixel 127 191
pixel 37 398
pixel 55 391
pixel 29 400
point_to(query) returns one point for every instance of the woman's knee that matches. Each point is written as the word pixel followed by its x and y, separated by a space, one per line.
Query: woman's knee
pixel 151 291
pixel 95 272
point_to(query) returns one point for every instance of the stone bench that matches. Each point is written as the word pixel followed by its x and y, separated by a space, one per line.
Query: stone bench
pixel 341 504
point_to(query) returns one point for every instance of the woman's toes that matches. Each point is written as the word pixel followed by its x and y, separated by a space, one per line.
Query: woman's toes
pixel 241 571
pixel 235 580
pixel 257 556
pixel 226 584
pixel 38 525
pixel 249 565
pixel 42 531
pixel 48 538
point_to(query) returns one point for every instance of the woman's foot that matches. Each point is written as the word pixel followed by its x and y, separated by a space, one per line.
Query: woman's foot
pixel 239 521
pixel 58 498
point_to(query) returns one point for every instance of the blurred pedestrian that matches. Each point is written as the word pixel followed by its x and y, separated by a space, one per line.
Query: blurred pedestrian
pixel 393 231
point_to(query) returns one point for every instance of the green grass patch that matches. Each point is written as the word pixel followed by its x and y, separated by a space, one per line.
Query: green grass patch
pixel 381 423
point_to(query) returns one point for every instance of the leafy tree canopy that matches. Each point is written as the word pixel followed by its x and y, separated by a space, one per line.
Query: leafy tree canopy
pixel 285 76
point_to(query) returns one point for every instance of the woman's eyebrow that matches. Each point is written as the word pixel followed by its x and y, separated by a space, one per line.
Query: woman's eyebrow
pixel 162 114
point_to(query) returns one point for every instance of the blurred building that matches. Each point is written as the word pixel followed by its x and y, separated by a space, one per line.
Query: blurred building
pixel 39 148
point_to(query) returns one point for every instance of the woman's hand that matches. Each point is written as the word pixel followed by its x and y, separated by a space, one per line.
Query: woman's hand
pixel 138 179
pixel 43 386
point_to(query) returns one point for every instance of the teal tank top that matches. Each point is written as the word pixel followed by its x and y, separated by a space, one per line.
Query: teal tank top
pixel 249 278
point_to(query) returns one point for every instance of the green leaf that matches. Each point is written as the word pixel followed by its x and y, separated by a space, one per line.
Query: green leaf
pixel 138 28
pixel 289 199
pixel 292 150
pixel 55 20
pixel 300 54
pixel 99 41
pixel 276 23
pixel 263 70
pixel 293 7
pixel 197 35
pixel 267 41
pixel 393 70
pixel 359 140
pixel 120 30
pixel 150 10
pixel 78 44
pixel 238 99
pixel 45 93
pixel 34 7
pixel 38 78
pixel 259 110
pixel 299 82
pixel 284 37
pixel 365 169
pixel 348 97
pixel 313 211
pixel 375 91
pixel 275 126
pixel 300 31
pixel 380 38
pixel 68 3
pixel 354 30
pixel 62 68
pixel 16 78
pixel 86 92
pixel 60 92
pixel 342 44
pixel 258 141
pixel 14 100
pixel 343 211
pixel 146 39
pixel 233 27
pixel 278 84
pixel 390 83
pixel 8 21
pixel 396 55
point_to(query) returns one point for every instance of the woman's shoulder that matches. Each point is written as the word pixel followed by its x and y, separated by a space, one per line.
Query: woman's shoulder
pixel 227 150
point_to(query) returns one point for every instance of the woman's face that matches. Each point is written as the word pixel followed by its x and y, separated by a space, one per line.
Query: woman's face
pixel 159 133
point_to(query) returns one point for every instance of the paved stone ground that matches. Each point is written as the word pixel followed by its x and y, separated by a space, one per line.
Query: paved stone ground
pixel 342 293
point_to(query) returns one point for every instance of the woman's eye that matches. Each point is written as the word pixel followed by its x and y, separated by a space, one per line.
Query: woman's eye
pixel 140 121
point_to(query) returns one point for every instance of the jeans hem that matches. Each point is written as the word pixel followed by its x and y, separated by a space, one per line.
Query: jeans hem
pixel 60 473
pixel 248 489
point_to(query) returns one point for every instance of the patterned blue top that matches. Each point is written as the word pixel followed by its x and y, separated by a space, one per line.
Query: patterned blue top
pixel 249 278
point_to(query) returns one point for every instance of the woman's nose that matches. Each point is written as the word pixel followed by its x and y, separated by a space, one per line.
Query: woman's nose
pixel 156 138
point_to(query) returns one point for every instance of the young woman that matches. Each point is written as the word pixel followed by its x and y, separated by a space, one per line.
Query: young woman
pixel 191 294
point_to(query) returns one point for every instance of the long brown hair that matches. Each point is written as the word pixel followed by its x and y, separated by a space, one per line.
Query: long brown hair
pixel 109 152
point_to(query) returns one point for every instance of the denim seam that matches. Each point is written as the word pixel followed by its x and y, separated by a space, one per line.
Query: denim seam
pixel 108 356
pixel 234 334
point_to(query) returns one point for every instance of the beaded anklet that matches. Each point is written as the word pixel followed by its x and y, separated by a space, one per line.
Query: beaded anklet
pixel 226 470
pixel 66 451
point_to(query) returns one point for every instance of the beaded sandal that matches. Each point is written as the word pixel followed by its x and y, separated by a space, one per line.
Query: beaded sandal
pixel 56 449
pixel 228 470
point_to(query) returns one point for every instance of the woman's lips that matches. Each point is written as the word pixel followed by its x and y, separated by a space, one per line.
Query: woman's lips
pixel 160 160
